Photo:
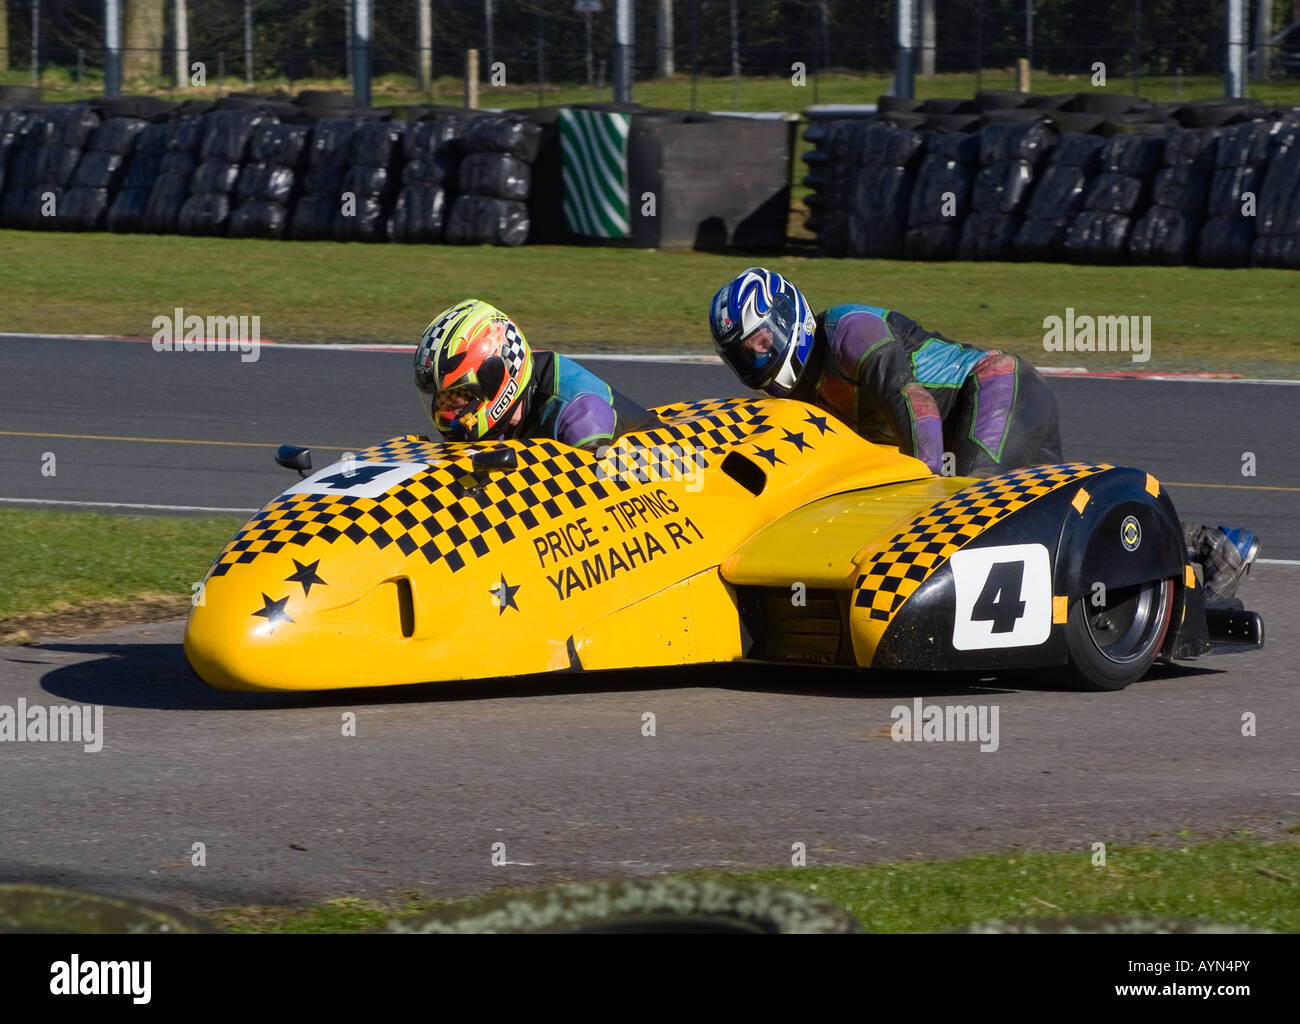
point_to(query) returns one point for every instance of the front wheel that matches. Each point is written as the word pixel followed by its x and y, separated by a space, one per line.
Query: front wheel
pixel 1114 645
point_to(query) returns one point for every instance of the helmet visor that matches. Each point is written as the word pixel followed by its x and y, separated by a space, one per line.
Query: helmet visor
pixel 758 355
pixel 456 408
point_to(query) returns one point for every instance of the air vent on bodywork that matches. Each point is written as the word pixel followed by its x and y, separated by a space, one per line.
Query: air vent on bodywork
pixel 405 606
pixel 745 472
pixel 790 626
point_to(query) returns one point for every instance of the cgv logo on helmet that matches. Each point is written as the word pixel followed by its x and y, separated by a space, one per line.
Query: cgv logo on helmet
pixel 502 403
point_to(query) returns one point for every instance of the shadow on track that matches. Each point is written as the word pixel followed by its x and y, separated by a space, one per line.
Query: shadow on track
pixel 157 676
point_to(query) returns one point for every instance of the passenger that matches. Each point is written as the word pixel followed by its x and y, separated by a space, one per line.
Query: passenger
pixel 896 383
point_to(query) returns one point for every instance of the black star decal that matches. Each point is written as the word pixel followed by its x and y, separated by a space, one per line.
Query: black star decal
pixel 819 422
pixel 306 575
pixel 769 454
pixel 358 475
pixel 274 612
pixel 797 440
pixel 505 595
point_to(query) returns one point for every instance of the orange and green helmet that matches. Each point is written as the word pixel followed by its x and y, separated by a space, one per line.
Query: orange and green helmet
pixel 472 366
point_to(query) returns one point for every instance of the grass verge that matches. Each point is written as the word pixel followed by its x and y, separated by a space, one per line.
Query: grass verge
pixel 68 572
pixel 1241 881
pixel 603 299
pixel 752 93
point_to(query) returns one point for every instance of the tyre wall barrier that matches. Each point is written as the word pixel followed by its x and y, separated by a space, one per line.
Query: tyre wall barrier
pixel 248 166
pixel 319 168
pixel 1088 178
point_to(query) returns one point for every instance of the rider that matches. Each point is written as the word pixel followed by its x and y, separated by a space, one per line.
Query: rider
pixel 935 399
pixel 479 380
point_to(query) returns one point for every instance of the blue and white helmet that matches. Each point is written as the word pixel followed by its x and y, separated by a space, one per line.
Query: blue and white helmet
pixel 763 329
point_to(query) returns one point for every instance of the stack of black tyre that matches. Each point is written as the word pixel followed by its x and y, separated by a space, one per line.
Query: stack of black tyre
pixel 265 187
pixel 432 151
pixel 99 174
pixel 143 166
pixel 868 188
pixel 172 185
pixel 13 123
pixel 834 180
pixel 327 166
pixel 206 210
pixel 1166 232
pixel 494 179
pixel 1009 158
pixel 818 161
pixel 374 161
pixel 41 166
pixel 1241 156
pixel 1115 198
pixel 1058 196
pixel 1277 223
pixel 941 197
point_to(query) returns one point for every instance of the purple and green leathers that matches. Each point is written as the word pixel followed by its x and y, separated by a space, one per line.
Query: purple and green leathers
pixel 897 383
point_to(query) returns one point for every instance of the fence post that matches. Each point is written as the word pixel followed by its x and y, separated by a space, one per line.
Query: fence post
pixel 664 30
pixel 1029 31
pixel 361 54
pixel 112 48
pixel 1263 37
pixel 623 44
pixel 903 63
pixel 426 46
pixel 248 44
pixel 471 79
pixel 1234 84
pixel 695 47
pixel 349 31
pixel 180 19
pixel 735 58
pixel 1022 74
pixel 590 79
pixel 36 42
pixel 927 38
pixel 1137 47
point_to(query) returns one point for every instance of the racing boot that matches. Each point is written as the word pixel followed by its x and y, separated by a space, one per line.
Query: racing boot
pixel 1225 556
pixel 1246 544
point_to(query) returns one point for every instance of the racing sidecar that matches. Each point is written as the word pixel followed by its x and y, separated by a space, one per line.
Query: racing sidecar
pixel 738 529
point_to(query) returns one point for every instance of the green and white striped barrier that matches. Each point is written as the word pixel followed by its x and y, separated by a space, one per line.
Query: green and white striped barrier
pixel 594 146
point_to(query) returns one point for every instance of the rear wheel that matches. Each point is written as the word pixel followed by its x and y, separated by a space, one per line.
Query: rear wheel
pixel 1114 645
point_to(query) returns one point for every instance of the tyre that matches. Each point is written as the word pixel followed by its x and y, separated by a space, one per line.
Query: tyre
pixel 1114 645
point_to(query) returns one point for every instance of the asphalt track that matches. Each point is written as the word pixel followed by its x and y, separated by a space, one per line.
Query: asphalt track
pixel 745 763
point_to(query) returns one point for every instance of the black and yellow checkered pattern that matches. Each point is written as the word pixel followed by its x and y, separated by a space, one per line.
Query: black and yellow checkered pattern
pixel 891 575
pixel 448 514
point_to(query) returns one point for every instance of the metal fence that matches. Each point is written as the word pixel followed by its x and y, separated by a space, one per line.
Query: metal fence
pixel 548 45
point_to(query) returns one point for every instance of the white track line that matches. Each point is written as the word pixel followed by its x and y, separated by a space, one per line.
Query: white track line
pixel 124 504
pixel 1277 561
pixel 1081 372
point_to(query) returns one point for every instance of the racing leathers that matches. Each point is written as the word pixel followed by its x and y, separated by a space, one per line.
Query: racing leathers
pixel 896 383
pixel 570 404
